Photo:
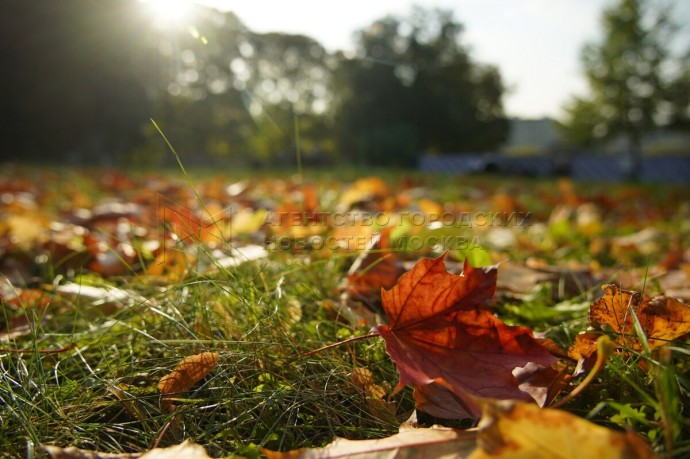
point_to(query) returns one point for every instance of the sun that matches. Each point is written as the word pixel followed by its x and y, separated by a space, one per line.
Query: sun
pixel 168 13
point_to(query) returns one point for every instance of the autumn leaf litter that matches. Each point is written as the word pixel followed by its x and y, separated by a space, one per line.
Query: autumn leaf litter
pixel 137 312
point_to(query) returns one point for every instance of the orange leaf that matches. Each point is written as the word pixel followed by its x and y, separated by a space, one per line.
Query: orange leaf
pixel 378 267
pixel 662 319
pixel 187 373
pixel 451 348
pixel 584 350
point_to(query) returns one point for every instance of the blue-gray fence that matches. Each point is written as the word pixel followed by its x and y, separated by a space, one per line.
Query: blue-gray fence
pixel 674 169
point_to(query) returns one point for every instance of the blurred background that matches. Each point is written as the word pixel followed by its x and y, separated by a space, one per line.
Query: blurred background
pixel 589 88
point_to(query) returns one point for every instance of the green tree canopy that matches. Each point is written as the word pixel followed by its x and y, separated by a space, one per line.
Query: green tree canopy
pixel 87 75
pixel 634 79
pixel 413 86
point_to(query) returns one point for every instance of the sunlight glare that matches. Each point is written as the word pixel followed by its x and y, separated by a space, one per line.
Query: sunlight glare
pixel 167 13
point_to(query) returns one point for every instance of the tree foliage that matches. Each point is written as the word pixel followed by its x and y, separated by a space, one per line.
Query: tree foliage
pixel 88 76
pixel 73 78
pixel 632 74
pixel 413 85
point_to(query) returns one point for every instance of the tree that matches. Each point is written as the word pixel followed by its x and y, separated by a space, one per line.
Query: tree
pixel 413 86
pixel 679 99
pixel 628 78
pixel 243 88
pixel 72 79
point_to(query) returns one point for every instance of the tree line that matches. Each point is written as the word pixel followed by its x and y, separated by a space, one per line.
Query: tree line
pixel 83 78
pixel 638 82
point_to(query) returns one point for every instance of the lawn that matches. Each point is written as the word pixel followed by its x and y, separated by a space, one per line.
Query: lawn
pixel 111 279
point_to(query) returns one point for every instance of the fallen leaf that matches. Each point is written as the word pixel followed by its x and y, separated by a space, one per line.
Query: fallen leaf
pixel 362 378
pixel 508 429
pixel 676 283
pixel 248 221
pixel 107 298
pixel 352 234
pixel 19 298
pixel 435 442
pixel 512 429
pixel 382 409
pixel 187 373
pixel 369 190
pixel 662 319
pixel 516 280
pixel 72 452
pixel 172 263
pixel 447 344
pixel 376 268
pixel 584 350
pixel 299 217
pixel 185 450
pixel 588 220
pixel 235 256
pixel 520 279
pixel 645 241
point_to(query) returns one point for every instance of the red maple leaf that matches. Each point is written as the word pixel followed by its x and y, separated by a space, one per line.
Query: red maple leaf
pixel 448 345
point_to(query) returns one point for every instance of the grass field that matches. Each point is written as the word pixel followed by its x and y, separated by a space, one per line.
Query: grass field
pixel 81 366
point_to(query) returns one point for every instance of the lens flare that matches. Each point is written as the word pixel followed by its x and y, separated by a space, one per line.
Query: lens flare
pixel 168 13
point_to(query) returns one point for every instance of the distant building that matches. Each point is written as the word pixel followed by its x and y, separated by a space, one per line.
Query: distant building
pixel 532 136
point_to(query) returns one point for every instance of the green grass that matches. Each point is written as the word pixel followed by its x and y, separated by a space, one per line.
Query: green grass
pixel 102 395
pixel 260 316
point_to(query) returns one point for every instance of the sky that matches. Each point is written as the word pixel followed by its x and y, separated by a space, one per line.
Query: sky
pixel 535 43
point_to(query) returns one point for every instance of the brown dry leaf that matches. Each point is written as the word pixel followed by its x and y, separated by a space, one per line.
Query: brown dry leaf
pixel 676 283
pixel 362 378
pixel 515 280
pixel 185 450
pixel 512 429
pixel 519 279
pixel 436 442
pixel 382 409
pixel 72 452
pixel 187 373
pixel 662 319
pixel 19 298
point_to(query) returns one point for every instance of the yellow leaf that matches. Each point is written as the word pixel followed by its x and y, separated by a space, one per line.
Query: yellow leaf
pixel 512 429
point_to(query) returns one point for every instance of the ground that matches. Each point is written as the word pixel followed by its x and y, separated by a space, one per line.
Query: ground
pixel 111 279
